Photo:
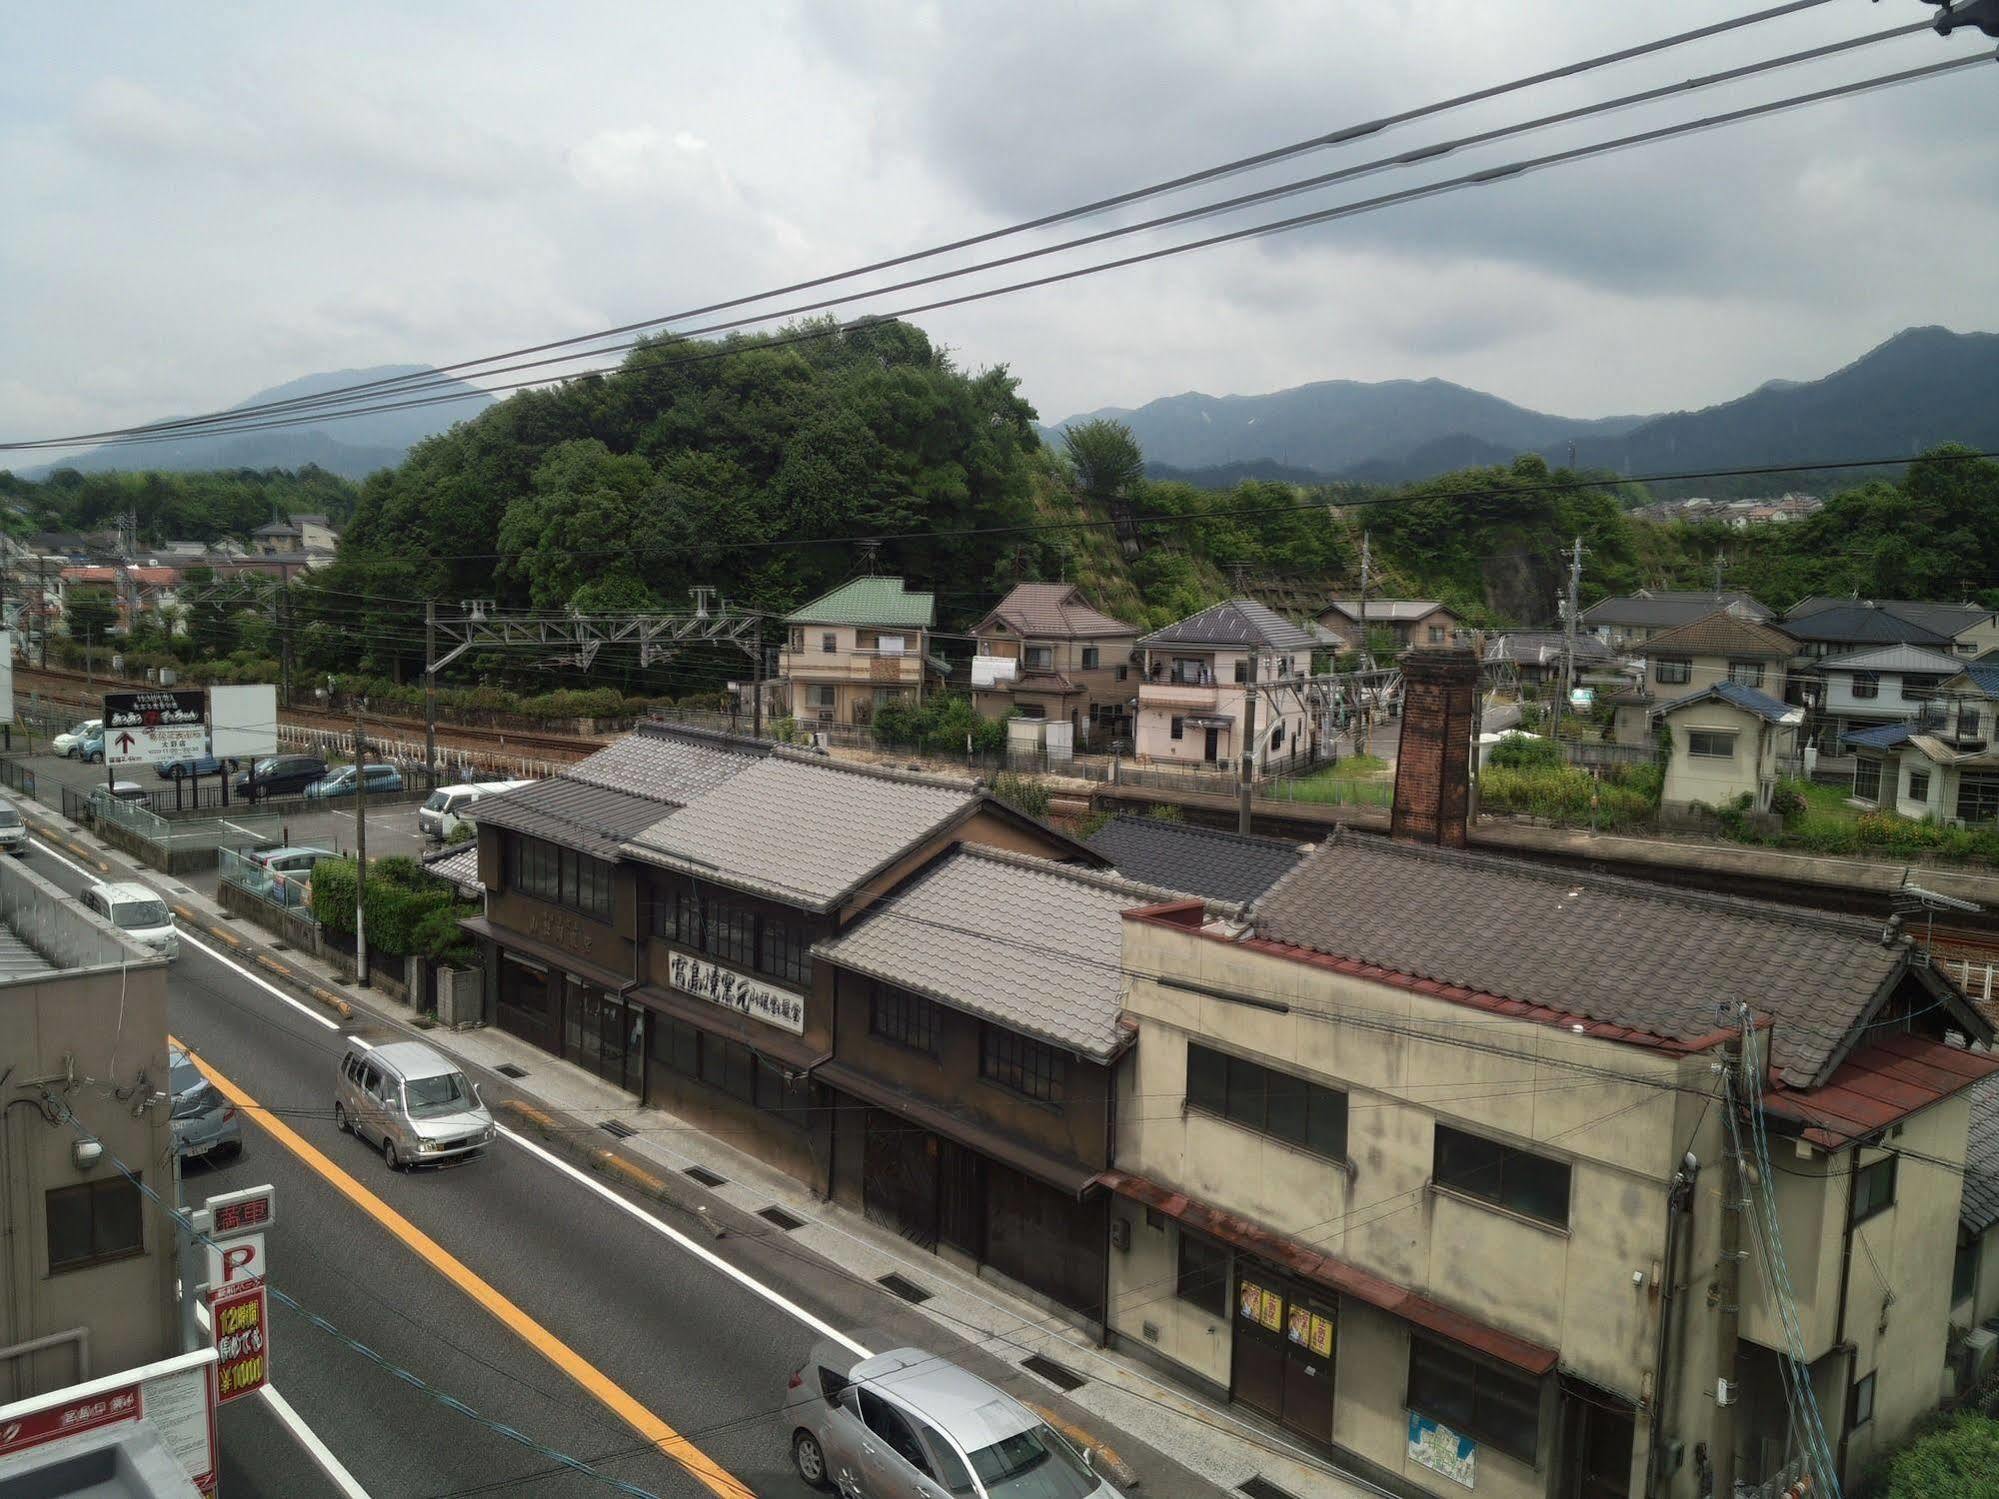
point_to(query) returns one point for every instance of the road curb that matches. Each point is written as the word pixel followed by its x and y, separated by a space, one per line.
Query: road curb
pixel 1114 1467
pixel 319 992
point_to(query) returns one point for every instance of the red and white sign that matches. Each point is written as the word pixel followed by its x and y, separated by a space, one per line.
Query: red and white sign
pixel 176 1397
pixel 234 1263
pixel 241 1320
pixel 71 1417
pixel 232 1213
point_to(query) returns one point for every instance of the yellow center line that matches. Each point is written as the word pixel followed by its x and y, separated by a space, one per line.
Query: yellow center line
pixel 593 1380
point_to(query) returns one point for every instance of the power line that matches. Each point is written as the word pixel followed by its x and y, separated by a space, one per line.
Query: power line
pixel 1334 137
pixel 1277 226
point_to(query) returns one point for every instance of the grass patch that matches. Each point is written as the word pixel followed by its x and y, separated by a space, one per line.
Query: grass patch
pixel 1358 779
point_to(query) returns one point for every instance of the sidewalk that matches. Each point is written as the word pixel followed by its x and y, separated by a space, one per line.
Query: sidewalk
pixel 562 1106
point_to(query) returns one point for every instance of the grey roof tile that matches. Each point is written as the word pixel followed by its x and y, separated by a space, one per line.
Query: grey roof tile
pixel 1865 624
pixel 1896 658
pixel 1748 699
pixel 1035 946
pixel 459 865
pixel 800 830
pixel 595 820
pixel 1663 609
pixel 1239 622
pixel 1196 860
pixel 1720 633
pixel 1624 952
pixel 1978 1209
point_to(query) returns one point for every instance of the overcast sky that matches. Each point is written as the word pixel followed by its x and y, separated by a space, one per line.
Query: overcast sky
pixel 200 201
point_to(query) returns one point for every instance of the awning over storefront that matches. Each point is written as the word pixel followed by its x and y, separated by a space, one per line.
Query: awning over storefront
pixel 541 952
pixel 1336 1275
pixel 1064 1176
pixel 792 1052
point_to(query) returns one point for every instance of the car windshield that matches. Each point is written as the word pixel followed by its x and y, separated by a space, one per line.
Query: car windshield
pixel 264 767
pixel 430 1096
pixel 138 915
pixel 9 818
pixel 437 801
pixel 1033 1464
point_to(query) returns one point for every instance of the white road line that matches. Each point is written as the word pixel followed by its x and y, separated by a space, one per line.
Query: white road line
pixel 194 941
pixel 318 1451
pixel 741 1277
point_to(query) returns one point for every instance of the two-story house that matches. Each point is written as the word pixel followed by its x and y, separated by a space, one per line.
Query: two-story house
pixel 1193 696
pixel 1045 653
pixel 1437 1149
pixel 1944 766
pixel 978 1040
pixel 1840 626
pixel 1409 622
pixel 849 651
pixel 1887 684
pixel 297 533
pixel 1632 619
pixel 1720 646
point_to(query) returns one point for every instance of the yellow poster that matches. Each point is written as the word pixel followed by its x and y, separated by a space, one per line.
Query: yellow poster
pixel 1249 1300
pixel 1322 1335
pixel 1273 1311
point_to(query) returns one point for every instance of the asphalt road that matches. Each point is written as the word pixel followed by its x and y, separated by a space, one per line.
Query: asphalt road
pixel 645 1320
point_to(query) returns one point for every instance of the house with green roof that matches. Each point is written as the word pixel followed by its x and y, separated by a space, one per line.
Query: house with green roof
pixel 850 651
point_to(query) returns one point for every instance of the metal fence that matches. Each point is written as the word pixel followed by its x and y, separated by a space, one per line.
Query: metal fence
pixel 1979 980
pixel 246 874
pixel 1603 754
pixel 100 810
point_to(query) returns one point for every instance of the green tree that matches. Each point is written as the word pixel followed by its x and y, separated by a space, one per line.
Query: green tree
pixel 1108 463
pixel 90 614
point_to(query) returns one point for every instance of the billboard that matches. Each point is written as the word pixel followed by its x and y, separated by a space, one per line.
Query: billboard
pixel 243 722
pixel 146 728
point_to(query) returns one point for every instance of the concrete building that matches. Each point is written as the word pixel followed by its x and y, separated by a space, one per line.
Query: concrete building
pixel 1720 646
pixel 1728 742
pixel 1632 619
pixel 1431 1165
pixel 1193 695
pixel 1411 622
pixel 849 651
pixel 1063 661
pixel 90 1264
pixel 1974 1281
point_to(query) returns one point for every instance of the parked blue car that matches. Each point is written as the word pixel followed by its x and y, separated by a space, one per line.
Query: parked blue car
pixel 202 765
pixel 381 778
pixel 90 749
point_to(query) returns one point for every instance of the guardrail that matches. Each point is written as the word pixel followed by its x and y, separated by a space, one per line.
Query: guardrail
pixel 246 874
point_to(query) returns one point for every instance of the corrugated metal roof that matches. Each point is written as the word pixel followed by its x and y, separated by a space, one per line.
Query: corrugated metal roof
pixel 869 601
pixel 1033 945
pixel 1240 622
pixel 801 831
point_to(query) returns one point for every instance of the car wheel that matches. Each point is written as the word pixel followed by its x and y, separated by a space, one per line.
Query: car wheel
pixel 174 772
pixel 340 1119
pixel 389 1157
pixel 808 1459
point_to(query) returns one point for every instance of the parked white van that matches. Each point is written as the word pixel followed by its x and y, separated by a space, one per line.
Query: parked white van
pixel 449 806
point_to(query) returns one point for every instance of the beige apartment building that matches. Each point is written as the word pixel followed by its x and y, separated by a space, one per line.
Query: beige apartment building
pixel 1435 1160
pixel 1045 653
pixel 849 651
pixel 1193 697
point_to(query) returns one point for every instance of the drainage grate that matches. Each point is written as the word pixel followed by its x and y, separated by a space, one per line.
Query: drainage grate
pixel 1063 1379
pixel 510 1069
pixel 1262 1488
pixel 781 1218
pixel 617 1129
pixel 706 1177
pixel 908 1290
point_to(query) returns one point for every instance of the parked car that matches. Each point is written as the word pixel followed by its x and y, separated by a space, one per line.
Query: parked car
pixel 126 791
pixel 290 864
pixel 280 775
pixel 138 912
pixel 907 1425
pixel 13 831
pixel 204 1122
pixel 91 747
pixel 381 779
pixel 70 743
pixel 201 765
pixel 448 808
pixel 412 1102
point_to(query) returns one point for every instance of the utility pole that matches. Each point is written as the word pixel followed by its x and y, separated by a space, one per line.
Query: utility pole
pixel 360 850
pixel 1720 562
pixel 757 707
pixel 430 694
pixel 284 645
pixel 1569 632
pixel 1246 759
pixel 1726 1295
pixel 1366 559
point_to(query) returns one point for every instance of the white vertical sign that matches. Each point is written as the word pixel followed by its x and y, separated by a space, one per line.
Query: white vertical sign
pixel 243 721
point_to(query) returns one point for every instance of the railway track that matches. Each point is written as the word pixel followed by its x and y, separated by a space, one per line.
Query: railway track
pixel 466 741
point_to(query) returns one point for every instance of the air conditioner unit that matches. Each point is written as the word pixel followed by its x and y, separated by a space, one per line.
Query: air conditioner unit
pixel 1977 1358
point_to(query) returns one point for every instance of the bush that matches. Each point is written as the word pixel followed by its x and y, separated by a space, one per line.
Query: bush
pixel 1021 794
pixel 1167 812
pixel 409 909
pixel 1092 823
pixel 1567 794
pixel 1518 752
pixel 1960 1458
pixel 462 832
pixel 941 725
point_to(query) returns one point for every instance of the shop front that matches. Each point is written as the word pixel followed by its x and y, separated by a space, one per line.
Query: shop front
pixel 564 1006
pixel 1284 1349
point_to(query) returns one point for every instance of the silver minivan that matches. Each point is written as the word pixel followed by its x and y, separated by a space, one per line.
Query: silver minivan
pixel 908 1425
pixel 411 1102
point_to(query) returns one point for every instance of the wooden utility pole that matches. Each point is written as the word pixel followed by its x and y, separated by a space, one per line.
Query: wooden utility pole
pixel 1727 1288
pixel 430 694
pixel 1246 759
pixel 360 849
pixel 757 686
pixel 1366 559
pixel 1569 633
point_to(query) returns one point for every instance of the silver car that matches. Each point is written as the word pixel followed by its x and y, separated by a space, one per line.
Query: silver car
pixel 411 1102
pixel 13 831
pixel 204 1122
pixel 908 1425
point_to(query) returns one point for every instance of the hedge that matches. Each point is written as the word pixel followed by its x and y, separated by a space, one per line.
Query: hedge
pixel 410 911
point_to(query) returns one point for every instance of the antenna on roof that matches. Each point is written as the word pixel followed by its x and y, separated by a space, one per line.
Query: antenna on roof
pixel 1910 899
pixel 869 551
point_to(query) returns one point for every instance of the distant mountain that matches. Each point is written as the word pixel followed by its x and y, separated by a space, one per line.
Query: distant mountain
pixel 353 447
pixel 1228 475
pixel 1335 426
pixel 1922 387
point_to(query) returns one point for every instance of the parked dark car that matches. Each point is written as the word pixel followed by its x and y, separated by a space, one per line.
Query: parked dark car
pixel 382 779
pixel 202 765
pixel 281 775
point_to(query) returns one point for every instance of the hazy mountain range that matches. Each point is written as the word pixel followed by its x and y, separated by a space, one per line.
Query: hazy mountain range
pixel 353 447
pixel 1921 387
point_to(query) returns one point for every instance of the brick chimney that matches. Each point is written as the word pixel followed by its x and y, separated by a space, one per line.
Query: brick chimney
pixel 1433 765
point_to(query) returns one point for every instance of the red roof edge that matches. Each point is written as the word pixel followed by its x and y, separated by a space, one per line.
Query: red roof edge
pixel 1877 1086
pixel 1301 1260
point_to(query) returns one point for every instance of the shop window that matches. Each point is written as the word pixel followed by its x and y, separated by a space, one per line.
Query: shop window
pixel 1512 1178
pixel 95 1222
pixel 1202 1277
pixel 1495 1406
pixel 1023 1065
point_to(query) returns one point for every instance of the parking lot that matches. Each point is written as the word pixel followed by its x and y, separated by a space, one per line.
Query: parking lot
pixel 392 827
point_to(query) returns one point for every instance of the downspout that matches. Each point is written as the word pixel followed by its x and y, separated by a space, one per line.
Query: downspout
pixel 1679 1203
pixel 1845 1282
pixel 1110 1159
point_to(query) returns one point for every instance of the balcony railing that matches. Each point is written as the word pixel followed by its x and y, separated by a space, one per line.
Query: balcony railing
pixel 851 666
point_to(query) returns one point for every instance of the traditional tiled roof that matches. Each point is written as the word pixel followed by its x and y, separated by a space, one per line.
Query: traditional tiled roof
pixel 1720 633
pixel 1978 1208
pixel 1663 609
pixel 1386 611
pixel 1199 861
pixel 1239 622
pixel 1591 946
pixel 1947 619
pixel 459 865
pixel 869 601
pixel 1053 610
pixel 803 831
pixel 1864 624
pixel 1037 947
pixel 1897 658
pixel 1748 699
